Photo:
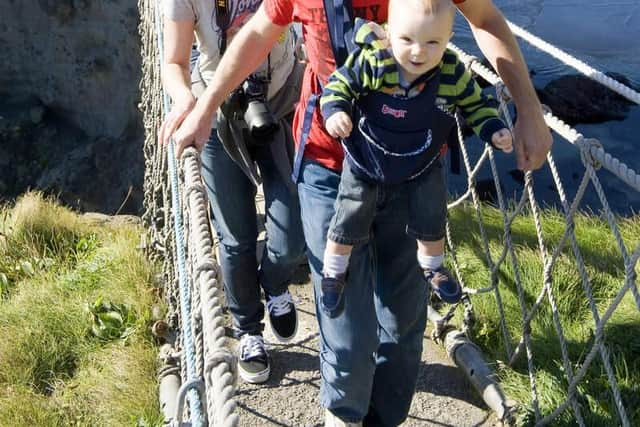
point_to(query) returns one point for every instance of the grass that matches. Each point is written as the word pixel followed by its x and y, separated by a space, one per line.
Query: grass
pixel 56 269
pixel 604 267
pixel 75 309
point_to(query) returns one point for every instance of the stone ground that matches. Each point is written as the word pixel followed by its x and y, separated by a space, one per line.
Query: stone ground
pixel 444 397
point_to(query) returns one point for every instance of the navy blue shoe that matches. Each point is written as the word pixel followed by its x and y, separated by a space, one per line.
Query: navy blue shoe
pixel 331 298
pixel 443 285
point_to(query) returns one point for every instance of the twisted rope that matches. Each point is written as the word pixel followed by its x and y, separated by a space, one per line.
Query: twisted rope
pixel 191 291
pixel 614 165
pixel 579 65
pixel 196 309
pixel 219 362
pixel 593 157
pixel 187 327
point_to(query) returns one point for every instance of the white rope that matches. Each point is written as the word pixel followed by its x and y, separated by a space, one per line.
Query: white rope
pixel 593 156
pixel 217 364
pixel 220 370
pixel 210 363
pixel 585 69
pixel 614 165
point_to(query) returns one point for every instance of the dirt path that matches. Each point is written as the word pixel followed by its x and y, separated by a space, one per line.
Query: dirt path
pixel 444 396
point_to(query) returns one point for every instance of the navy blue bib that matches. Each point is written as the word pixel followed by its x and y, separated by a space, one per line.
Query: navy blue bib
pixel 396 139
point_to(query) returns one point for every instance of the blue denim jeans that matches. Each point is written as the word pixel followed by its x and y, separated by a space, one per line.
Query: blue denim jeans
pixel 357 198
pixel 231 196
pixel 370 354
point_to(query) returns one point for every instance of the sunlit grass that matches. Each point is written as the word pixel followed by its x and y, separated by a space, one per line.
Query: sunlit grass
pixel 55 268
pixel 605 269
pixel 54 371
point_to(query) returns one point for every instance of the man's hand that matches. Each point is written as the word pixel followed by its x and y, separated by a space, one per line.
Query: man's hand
pixel 339 125
pixel 502 140
pixel 186 125
pixel 533 140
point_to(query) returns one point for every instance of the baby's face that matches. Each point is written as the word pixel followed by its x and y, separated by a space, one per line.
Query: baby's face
pixel 418 41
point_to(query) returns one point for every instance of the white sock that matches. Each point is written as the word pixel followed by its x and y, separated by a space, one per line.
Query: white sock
pixel 428 262
pixel 334 264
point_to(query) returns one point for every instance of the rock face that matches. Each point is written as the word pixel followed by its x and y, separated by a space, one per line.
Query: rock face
pixel 69 121
pixel 578 99
pixel 42 150
pixel 81 58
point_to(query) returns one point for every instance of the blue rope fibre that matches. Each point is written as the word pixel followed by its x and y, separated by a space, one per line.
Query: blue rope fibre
pixel 185 293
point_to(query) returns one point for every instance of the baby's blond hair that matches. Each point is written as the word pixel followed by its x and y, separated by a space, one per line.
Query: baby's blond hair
pixel 428 7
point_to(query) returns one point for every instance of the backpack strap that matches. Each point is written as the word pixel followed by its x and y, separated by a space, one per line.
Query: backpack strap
pixel 453 146
pixel 339 14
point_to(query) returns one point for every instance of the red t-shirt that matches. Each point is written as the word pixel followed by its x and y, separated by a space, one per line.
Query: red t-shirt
pixel 310 13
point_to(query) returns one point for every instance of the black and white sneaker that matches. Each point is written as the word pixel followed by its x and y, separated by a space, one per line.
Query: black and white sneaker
pixel 282 316
pixel 253 360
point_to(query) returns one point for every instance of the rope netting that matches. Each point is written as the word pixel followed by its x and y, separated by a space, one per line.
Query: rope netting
pixel 593 157
pixel 180 240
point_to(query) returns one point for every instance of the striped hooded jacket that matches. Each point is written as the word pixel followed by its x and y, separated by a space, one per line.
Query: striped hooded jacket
pixel 371 67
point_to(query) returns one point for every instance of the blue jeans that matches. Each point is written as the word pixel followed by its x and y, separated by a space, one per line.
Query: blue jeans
pixel 357 198
pixel 231 197
pixel 370 354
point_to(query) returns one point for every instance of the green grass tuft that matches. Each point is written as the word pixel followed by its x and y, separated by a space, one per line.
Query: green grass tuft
pixel 37 235
pixel 53 370
pixel 605 269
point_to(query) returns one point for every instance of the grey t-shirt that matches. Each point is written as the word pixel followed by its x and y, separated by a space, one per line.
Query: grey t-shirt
pixel 203 14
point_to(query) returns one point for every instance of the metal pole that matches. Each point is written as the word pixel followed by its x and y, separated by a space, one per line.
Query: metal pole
pixel 169 383
pixel 468 357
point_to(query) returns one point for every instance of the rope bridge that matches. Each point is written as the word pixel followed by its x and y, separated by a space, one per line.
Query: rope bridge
pixel 196 357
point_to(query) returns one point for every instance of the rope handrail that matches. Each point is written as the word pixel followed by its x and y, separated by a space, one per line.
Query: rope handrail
pixel 180 237
pixel 593 156
pixel 614 165
pixel 191 273
pixel 219 363
pixel 574 62
pixel 183 286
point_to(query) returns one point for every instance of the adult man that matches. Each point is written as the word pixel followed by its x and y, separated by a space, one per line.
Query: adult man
pixel 369 354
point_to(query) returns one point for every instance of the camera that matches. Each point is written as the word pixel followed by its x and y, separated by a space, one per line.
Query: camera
pixel 260 120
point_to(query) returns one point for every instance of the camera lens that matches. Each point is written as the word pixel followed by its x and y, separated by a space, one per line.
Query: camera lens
pixel 261 122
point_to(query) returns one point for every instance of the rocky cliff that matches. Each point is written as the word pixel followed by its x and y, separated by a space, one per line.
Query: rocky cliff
pixel 69 122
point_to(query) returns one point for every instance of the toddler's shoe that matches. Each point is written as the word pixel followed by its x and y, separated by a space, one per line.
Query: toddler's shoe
pixel 443 284
pixel 331 298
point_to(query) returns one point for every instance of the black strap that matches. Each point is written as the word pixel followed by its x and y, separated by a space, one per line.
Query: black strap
pixel 453 144
pixel 339 14
pixel 222 21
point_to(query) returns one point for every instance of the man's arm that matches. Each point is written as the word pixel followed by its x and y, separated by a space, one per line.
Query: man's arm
pixel 245 53
pixel 533 139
